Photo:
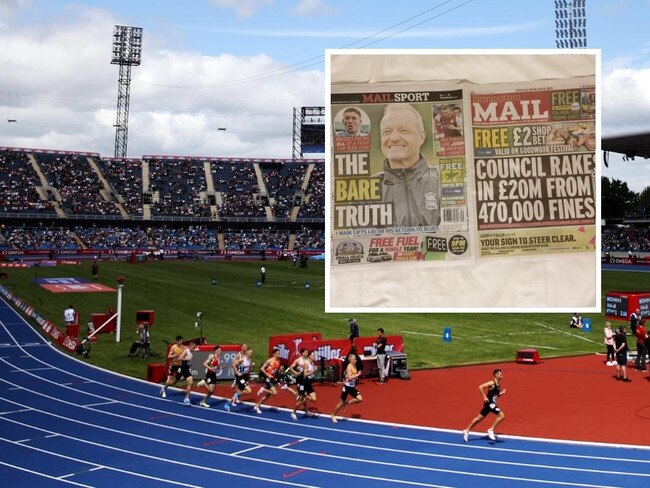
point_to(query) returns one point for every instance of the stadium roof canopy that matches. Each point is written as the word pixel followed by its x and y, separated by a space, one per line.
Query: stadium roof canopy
pixel 631 145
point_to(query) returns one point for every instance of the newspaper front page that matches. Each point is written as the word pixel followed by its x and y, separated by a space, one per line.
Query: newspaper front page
pixel 452 173
pixel 382 215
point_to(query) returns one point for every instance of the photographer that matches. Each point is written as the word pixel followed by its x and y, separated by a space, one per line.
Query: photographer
pixel 354 330
pixel 380 348
pixel 143 341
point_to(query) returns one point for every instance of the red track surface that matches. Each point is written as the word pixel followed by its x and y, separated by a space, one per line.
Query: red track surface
pixel 574 398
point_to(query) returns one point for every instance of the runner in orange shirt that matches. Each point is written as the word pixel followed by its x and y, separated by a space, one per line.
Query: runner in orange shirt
pixel 269 378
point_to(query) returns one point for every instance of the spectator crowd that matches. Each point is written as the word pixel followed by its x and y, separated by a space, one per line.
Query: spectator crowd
pixel 625 239
pixel 87 185
pixel 185 238
pixel 69 185
pixel 77 184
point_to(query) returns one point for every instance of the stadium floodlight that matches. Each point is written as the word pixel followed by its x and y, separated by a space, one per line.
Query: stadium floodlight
pixel 127 52
pixel 570 24
pixel 308 131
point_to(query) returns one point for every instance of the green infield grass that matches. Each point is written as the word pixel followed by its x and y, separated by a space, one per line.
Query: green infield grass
pixel 235 309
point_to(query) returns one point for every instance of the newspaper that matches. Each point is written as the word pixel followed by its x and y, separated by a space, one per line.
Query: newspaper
pixel 534 167
pixel 463 174
pixel 375 217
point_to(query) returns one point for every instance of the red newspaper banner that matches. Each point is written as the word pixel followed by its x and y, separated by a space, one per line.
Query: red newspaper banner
pixel 521 107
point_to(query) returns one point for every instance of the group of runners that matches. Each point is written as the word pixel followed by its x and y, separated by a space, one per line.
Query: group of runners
pixel 274 377
pixel 297 379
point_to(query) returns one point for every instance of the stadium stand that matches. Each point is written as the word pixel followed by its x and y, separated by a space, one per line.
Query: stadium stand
pixel 625 240
pixel 241 194
pixel 66 200
pixel 20 188
pixel 76 185
pixel 125 179
pixel 260 240
pixel 284 185
pixel 314 202
pixel 39 238
pixel 112 237
pixel 310 239
pixel 178 188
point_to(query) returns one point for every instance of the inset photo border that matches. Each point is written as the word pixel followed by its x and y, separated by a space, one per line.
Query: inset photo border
pixel 463 180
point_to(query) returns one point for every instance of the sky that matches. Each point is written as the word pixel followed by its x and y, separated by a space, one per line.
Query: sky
pixel 221 77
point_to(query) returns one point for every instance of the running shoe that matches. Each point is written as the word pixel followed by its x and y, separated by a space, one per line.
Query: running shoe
pixel 491 435
pixel 201 384
pixel 284 387
pixel 260 391
pixel 334 419
pixel 293 416
pixel 187 402
pixel 203 404
pixel 163 393
pixel 226 407
pixel 257 409
pixel 466 435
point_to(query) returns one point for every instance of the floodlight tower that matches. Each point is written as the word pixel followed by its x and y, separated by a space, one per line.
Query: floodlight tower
pixel 570 24
pixel 127 52
pixel 307 124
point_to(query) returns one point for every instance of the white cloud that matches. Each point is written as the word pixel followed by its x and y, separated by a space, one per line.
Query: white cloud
pixel 310 8
pixel 635 173
pixel 626 101
pixel 10 7
pixel 59 85
pixel 244 8
pixel 625 107
pixel 439 33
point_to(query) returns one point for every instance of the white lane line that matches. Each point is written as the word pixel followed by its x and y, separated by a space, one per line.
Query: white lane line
pixel 293 443
pixel 99 404
pixel 576 336
pixel 138 393
pixel 20 410
pixel 248 450
pixel 360 433
pixel 29 369
pixel 148 456
pixel 482 340
pixel 19 468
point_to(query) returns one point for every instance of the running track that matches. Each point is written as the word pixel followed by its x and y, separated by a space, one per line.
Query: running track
pixel 63 422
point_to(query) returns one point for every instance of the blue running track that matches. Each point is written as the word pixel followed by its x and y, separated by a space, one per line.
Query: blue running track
pixel 63 422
